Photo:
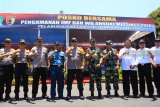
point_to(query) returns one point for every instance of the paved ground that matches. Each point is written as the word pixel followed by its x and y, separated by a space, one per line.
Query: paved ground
pixel 75 102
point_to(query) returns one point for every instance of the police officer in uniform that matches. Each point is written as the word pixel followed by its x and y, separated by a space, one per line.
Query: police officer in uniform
pixel 75 65
pixel 21 69
pixel 39 56
pixel 111 64
pixel 144 69
pixel 57 65
pixel 93 56
pixel 156 64
pixel 6 61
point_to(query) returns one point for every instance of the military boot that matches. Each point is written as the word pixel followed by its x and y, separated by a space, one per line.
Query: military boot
pixel 108 93
pixel 100 95
pixel 92 95
pixel 116 93
pixel 81 95
pixel 16 97
pixel 68 95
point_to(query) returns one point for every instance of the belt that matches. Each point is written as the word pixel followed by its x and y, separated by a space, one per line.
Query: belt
pixel 144 64
pixel 57 65
pixel 7 65
pixel 21 63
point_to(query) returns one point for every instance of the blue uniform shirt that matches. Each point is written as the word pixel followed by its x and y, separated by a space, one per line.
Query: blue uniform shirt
pixel 58 58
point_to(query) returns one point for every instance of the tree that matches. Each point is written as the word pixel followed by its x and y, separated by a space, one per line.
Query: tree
pixel 156 16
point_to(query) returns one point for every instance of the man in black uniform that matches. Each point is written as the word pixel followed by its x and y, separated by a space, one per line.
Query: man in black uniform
pixel 93 56
pixel 40 64
pixel 21 68
pixel 7 69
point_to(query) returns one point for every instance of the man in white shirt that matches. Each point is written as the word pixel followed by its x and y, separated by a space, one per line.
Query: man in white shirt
pixel 156 64
pixel 127 56
pixel 143 60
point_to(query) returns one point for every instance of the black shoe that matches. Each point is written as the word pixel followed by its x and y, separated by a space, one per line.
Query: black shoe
pixel 100 97
pixel 81 97
pixel 151 96
pixel 68 98
pixel 53 99
pixel 33 98
pixel 136 96
pixel 26 96
pixel 44 96
pixel 126 96
pixel 91 97
pixel 61 97
pixel 158 95
pixel 116 95
pixel 7 97
pixel 16 97
pixel 142 95
pixel 108 95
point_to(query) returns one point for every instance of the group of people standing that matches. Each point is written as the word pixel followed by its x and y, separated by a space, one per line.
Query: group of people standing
pixel 74 61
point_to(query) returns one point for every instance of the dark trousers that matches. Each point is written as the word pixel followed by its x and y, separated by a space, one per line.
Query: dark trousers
pixel 156 78
pixel 130 76
pixel 95 76
pixel 57 75
pixel 112 75
pixel 21 73
pixel 6 78
pixel 37 73
pixel 144 72
pixel 70 77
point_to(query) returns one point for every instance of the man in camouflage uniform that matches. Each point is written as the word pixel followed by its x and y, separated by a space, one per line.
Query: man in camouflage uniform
pixel 93 56
pixel 111 64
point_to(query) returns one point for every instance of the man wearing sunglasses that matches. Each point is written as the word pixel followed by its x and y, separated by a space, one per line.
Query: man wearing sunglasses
pixel 21 67
pixel 156 64
pixel 75 64
pixel 93 57
pixel 39 61
pixel 6 75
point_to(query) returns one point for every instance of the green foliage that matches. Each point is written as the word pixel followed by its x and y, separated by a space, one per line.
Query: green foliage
pixel 156 16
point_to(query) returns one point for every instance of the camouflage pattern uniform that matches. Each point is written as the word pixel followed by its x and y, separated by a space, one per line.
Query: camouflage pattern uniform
pixel 94 73
pixel 111 72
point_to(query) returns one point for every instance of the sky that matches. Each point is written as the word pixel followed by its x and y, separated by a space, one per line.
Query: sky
pixel 122 8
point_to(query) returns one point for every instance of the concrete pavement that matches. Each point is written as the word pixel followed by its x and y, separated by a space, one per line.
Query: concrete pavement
pixel 76 102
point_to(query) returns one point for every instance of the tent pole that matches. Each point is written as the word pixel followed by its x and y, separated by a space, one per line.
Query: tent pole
pixel 155 34
pixel 90 34
pixel 39 33
pixel 67 38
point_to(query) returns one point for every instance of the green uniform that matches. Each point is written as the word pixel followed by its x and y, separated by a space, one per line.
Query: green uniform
pixel 94 73
pixel 111 72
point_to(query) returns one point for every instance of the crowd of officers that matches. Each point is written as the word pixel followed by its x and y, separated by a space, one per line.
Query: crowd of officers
pixel 19 62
